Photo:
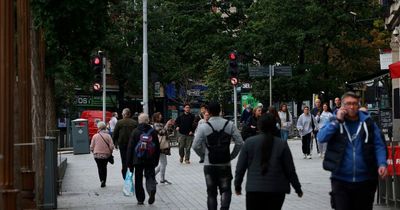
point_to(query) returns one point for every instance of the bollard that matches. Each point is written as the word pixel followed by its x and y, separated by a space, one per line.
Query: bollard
pixel 50 172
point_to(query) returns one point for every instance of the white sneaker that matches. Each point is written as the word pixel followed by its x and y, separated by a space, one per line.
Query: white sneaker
pixel 309 156
pixel 305 156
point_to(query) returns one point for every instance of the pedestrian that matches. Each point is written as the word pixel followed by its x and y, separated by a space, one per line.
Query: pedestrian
pixel 270 168
pixel 122 131
pixel 204 120
pixel 286 121
pixel 200 115
pixel 213 141
pixel 306 124
pixel 185 128
pixel 250 128
pixel 316 111
pixel 143 155
pixel 113 121
pixel 322 120
pixel 102 147
pixel 355 155
pixel 165 147
pixel 246 113
pixel 273 111
pixel 338 104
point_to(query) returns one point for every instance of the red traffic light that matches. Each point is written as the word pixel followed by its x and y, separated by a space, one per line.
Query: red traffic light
pixel 232 56
pixel 96 60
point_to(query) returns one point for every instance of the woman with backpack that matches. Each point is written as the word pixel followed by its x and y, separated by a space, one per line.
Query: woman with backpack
pixel 270 168
pixel 102 146
pixel 165 148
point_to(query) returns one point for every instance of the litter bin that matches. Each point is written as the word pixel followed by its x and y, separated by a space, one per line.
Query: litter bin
pixel 80 136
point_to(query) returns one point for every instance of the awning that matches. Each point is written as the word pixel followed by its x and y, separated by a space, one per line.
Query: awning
pixel 368 78
pixel 394 69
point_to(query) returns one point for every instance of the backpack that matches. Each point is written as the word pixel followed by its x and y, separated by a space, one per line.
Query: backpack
pixel 218 143
pixel 145 148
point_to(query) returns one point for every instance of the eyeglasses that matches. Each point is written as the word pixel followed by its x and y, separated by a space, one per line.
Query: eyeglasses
pixel 351 104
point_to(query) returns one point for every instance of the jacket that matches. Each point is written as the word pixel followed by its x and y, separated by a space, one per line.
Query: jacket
pixel 286 123
pixel 353 160
pixel 281 171
pixel 123 130
pixel 132 159
pixel 199 142
pixel 304 124
pixel 99 146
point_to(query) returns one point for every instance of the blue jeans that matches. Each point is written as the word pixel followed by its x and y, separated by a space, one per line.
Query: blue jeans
pixel 284 134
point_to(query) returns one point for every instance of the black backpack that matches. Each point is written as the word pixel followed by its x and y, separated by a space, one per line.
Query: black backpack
pixel 218 143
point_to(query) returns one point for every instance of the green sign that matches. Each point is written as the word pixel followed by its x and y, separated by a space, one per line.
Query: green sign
pixel 95 101
pixel 248 99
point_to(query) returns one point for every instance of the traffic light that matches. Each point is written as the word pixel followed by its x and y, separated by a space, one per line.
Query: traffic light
pixel 233 68
pixel 97 66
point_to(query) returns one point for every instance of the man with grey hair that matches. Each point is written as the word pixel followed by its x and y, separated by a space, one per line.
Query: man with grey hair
pixel 143 155
pixel 355 155
pixel 122 131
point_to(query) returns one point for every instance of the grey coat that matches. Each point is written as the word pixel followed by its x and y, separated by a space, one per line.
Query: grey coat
pixel 281 171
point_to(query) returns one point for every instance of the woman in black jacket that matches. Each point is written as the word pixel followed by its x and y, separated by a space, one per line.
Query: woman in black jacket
pixel 270 168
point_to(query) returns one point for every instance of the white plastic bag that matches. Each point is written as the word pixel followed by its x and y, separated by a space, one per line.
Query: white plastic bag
pixel 128 188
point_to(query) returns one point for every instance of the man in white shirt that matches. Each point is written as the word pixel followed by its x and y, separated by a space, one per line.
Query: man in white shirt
pixel 113 121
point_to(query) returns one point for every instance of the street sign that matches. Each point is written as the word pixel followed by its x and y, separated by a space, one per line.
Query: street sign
pixel 259 71
pixel 234 81
pixel 282 71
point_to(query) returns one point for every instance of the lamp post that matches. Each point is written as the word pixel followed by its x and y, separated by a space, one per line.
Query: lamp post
pixel 145 62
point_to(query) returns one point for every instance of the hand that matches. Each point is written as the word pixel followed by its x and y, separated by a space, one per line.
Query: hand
pixel 341 113
pixel 382 171
pixel 300 194
pixel 190 133
pixel 177 129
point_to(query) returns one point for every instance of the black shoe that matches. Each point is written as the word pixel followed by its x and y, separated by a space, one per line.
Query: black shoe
pixel 152 197
pixel 140 203
pixel 165 181
pixel 181 160
pixel 201 161
pixel 103 184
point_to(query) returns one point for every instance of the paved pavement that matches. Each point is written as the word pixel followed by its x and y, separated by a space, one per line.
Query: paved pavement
pixel 81 186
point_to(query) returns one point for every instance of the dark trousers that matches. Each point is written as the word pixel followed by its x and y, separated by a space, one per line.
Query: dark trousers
pixel 102 168
pixel 316 141
pixel 353 196
pixel 151 184
pixel 306 143
pixel 218 177
pixel 122 152
pixel 259 200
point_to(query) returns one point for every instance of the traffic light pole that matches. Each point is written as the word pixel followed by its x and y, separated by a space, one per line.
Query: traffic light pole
pixel 145 62
pixel 235 104
pixel 104 88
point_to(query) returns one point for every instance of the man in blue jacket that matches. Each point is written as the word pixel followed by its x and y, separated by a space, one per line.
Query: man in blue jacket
pixel 356 155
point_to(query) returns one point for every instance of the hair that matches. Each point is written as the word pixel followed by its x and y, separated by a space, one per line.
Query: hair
pixel 156 117
pixel 126 112
pixel 143 118
pixel 214 108
pixel 306 107
pixel 203 105
pixel 101 125
pixel 350 94
pixel 329 108
pixel 273 111
pixel 114 114
pixel 267 125
pixel 287 111
pixel 186 104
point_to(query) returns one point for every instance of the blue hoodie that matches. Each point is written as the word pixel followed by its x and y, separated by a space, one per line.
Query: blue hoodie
pixel 353 168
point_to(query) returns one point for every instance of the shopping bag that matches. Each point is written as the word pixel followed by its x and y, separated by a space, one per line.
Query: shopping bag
pixel 128 188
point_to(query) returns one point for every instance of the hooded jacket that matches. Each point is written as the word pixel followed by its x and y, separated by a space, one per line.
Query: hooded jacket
pixel 354 160
pixel 132 159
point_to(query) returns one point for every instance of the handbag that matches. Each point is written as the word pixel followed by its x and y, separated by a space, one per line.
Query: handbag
pixel 111 158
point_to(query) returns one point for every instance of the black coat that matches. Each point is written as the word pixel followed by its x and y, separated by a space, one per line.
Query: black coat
pixel 132 159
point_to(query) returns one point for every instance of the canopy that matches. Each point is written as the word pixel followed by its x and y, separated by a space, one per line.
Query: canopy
pixel 394 69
